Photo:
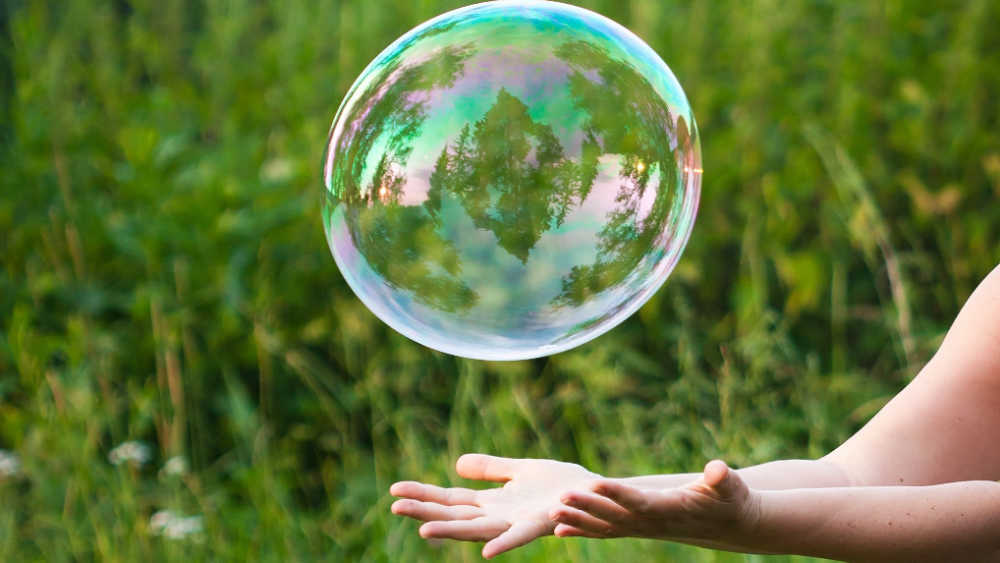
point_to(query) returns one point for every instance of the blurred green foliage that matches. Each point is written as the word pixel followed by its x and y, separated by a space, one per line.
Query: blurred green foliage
pixel 165 277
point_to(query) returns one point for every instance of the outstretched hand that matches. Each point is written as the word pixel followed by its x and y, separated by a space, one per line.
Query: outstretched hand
pixel 505 517
pixel 712 511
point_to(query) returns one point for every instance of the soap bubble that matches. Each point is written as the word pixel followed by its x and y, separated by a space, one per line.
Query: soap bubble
pixel 511 179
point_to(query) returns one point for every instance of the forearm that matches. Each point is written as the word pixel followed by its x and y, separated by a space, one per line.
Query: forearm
pixel 949 522
pixel 776 475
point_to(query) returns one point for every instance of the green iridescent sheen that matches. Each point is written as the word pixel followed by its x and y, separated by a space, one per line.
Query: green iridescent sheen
pixel 511 179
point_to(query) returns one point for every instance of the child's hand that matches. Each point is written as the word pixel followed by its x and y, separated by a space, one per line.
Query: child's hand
pixel 505 517
pixel 713 510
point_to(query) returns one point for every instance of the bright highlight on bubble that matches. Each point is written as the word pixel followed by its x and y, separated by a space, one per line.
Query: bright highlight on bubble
pixel 511 179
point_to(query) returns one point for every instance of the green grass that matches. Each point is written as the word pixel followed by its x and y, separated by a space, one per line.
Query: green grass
pixel 165 277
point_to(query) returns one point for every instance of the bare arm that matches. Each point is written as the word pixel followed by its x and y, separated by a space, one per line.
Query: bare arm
pixel 937 438
pixel 949 522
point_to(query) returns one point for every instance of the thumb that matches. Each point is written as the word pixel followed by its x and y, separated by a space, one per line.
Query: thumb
pixel 726 482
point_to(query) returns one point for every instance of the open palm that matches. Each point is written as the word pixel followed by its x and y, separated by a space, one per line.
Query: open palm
pixel 505 517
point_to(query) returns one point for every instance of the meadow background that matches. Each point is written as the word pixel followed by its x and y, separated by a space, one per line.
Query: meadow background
pixel 165 278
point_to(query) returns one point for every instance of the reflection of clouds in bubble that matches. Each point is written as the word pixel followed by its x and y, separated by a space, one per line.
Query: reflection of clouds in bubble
pixel 417 186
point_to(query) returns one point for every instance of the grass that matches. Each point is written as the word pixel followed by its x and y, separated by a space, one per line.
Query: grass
pixel 165 279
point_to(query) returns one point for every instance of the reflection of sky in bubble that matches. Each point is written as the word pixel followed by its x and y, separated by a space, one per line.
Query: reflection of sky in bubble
pixel 511 179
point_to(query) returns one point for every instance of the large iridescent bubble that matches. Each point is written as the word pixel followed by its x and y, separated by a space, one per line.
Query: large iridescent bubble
pixel 511 179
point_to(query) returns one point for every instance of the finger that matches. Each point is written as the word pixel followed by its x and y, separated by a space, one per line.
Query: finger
pixel 432 493
pixel 580 519
pixel 626 496
pixel 428 511
pixel 485 467
pixel 715 472
pixel 601 507
pixel 725 481
pixel 566 531
pixel 515 536
pixel 478 529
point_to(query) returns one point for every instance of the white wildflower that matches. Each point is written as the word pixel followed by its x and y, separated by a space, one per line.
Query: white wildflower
pixel 132 452
pixel 171 525
pixel 183 527
pixel 175 466
pixel 10 464
pixel 159 520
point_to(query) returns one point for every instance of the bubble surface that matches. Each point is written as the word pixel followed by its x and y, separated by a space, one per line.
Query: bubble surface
pixel 511 179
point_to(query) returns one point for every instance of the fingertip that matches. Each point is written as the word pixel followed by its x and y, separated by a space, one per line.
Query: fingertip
pixel 426 531
pixel 492 549
pixel 715 472
pixel 470 465
pixel 601 487
pixel 396 507
pixel 399 488
pixel 563 531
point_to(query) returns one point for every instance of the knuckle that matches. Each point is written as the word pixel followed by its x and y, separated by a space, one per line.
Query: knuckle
pixel 688 503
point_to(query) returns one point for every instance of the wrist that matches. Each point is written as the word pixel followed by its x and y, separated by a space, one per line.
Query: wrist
pixel 752 532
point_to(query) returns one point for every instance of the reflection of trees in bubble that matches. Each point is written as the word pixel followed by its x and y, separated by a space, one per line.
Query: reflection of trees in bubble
pixel 510 175
pixel 627 117
pixel 389 122
pixel 399 242
pixel 402 244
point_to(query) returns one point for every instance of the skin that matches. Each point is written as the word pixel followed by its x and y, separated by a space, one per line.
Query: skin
pixel 917 483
